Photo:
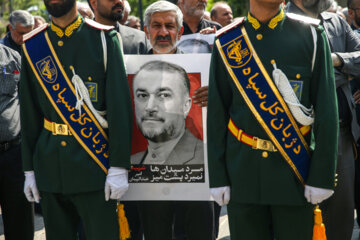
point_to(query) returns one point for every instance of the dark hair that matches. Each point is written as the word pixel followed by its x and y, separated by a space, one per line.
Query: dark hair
pixel 166 67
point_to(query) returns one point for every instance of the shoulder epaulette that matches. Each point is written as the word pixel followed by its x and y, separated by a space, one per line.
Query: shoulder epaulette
pixel 35 31
pixel 98 25
pixel 304 19
pixel 230 26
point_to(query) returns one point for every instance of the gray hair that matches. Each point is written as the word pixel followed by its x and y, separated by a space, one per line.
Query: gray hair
pixel 127 7
pixel 166 67
pixel 163 6
pixel 21 17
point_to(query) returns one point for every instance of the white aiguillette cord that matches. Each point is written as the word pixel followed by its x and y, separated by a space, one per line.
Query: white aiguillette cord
pixel 82 94
pixel 302 114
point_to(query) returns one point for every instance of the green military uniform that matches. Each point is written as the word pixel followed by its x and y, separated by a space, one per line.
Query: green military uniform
pixel 263 187
pixel 65 173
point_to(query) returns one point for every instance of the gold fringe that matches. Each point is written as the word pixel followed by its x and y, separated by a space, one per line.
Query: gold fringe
pixel 123 222
pixel 319 232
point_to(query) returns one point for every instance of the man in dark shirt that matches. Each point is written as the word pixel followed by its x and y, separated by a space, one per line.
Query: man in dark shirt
pixel 194 21
pixel 21 22
pixel 16 210
pixel 354 15
pixel 338 211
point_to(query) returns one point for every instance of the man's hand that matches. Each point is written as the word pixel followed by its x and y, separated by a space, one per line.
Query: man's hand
pixel 208 30
pixel 316 195
pixel 357 97
pixel 30 189
pixel 336 60
pixel 201 96
pixel 116 183
pixel 221 195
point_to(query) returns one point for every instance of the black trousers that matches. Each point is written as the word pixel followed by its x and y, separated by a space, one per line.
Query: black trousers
pixel 357 184
pixel 17 212
pixel 338 210
pixel 132 215
pixel 158 218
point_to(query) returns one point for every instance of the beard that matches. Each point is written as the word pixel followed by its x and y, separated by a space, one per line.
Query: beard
pixel 198 11
pixel 357 19
pixel 160 130
pixel 161 135
pixel 113 16
pixel 317 6
pixel 58 10
pixel 164 50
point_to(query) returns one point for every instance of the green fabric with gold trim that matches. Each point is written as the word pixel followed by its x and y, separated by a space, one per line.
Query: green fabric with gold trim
pixel 269 180
pixel 70 169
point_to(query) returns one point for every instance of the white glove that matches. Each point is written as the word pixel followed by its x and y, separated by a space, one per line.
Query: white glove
pixel 30 188
pixel 317 195
pixel 116 183
pixel 221 195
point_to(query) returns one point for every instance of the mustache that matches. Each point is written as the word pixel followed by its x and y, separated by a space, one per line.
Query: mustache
pixel 201 4
pixel 152 118
pixel 118 5
pixel 163 38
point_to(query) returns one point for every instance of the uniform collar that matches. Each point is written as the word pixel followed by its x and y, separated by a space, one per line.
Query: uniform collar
pixel 271 24
pixel 69 30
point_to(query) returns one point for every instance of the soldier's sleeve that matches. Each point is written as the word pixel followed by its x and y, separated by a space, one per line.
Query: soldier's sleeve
pixel 219 102
pixel 118 105
pixel 326 125
pixel 31 117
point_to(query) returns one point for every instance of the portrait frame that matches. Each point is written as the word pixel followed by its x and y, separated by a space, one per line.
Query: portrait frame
pixel 194 65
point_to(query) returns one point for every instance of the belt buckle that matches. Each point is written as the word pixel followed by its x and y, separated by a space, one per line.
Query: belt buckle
pixel 265 145
pixel 60 129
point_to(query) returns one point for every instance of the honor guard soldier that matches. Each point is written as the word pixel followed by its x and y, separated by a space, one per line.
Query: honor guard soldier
pixel 271 88
pixel 76 121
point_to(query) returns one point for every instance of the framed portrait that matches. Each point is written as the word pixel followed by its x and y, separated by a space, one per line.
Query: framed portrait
pixel 168 155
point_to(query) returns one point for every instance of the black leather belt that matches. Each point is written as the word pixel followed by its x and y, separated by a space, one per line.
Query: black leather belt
pixel 4 146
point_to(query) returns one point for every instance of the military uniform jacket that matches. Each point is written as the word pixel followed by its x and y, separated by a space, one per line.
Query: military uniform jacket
pixel 61 165
pixel 269 180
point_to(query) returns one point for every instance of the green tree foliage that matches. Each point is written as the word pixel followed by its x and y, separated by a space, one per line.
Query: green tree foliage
pixel 36 7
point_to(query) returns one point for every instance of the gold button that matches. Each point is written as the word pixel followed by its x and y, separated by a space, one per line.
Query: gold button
pixel 298 76
pixel 272 61
pixel 60 43
pixel 71 67
pixel 259 36
pixel 63 143
pixel 265 154
pixel 89 78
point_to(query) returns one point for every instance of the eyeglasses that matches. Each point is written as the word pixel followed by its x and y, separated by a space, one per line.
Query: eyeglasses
pixel 355 9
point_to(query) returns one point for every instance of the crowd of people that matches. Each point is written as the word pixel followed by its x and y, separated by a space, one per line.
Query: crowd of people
pixel 282 118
